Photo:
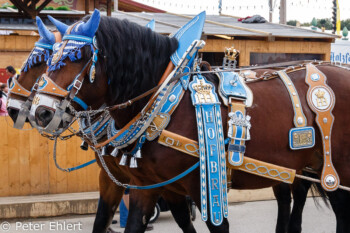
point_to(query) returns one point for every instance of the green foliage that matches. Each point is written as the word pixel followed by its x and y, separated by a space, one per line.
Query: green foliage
pixel 13 7
pixel 292 22
pixel 49 8
pixel 325 23
pixel 62 8
pixel 345 23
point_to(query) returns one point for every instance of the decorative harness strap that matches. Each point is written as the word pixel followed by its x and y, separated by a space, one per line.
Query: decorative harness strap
pixel 237 96
pixel 300 137
pixel 249 165
pixel 321 100
pixel 211 149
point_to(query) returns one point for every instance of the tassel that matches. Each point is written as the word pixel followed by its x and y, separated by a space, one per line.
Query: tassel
pixel 115 152
pixel 133 162
pixel 104 151
pixel 123 161
pixel 138 154
pixel 84 146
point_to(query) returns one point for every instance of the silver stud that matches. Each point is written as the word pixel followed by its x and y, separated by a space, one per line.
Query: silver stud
pixel 138 154
pixel 297 105
pixel 54 89
pixel 289 84
pixel 172 98
pixel 133 162
pixel 326 137
pixel 300 120
pixel 123 160
pixel 330 180
pixel 294 93
pixel 19 89
pixel 325 120
pixel 327 153
pixel 114 152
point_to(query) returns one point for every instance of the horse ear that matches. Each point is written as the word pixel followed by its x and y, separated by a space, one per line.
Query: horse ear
pixel 151 24
pixel 61 27
pixel 90 27
pixel 45 35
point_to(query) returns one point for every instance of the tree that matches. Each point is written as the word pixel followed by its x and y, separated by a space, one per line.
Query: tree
pixel 292 22
pixel 345 23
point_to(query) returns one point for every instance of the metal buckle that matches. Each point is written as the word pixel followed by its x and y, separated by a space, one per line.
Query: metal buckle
pixel 236 98
pixel 79 84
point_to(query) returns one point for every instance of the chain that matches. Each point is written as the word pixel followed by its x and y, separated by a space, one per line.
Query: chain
pixel 54 156
pixel 99 153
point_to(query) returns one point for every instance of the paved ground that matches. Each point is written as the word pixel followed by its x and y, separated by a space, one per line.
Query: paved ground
pixel 247 217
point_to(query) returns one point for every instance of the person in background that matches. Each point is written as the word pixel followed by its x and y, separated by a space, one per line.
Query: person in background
pixel 3 100
pixel 10 71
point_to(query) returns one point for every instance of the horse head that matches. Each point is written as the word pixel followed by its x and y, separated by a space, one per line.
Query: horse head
pixel 102 60
pixel 33 67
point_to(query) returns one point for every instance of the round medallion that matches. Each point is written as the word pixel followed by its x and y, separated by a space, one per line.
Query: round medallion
pixel 321 98
pixel 92 74
pixel 41 82
pixel 315 77
pixel 330 180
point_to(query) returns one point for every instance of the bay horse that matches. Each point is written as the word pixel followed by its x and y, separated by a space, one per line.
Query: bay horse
pixel 133 64
pixel 110 194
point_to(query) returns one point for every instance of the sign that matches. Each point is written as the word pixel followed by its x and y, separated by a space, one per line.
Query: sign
pixel 340 51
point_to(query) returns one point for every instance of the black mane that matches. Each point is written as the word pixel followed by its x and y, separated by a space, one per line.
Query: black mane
pixel 135 56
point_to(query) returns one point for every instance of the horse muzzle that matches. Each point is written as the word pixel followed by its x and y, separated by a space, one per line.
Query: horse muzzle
pixel 50 114
pixel 18 110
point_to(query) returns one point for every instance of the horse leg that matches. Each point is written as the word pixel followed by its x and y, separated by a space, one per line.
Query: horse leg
pixel 299 190
pixel 110 196
pixel 340 202
pixel 179 208
pixel 282 193
pixel 141 207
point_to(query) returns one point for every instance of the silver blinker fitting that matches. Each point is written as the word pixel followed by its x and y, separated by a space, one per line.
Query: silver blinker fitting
pixel 123 160
pixel 115 152
pixel 138 154
pixel 133 162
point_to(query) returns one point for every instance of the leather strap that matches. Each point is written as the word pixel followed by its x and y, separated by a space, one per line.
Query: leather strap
pixel 321 100
pixel 249 165
pixel 299 117
pixel 18 89
pixel 237 132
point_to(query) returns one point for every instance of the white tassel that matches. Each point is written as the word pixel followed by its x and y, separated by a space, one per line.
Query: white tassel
pixel 115 152
pixel 133 162
pixel 138 154
pixel 123 160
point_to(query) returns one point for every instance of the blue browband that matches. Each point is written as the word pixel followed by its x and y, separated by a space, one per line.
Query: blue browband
pixel 44 46
pixel 78 38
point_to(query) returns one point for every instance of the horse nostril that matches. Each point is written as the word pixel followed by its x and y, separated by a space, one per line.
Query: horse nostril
pixel 44 116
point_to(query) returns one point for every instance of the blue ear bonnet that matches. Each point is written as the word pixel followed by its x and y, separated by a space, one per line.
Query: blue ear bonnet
pixel 42 47
pixel 82 34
